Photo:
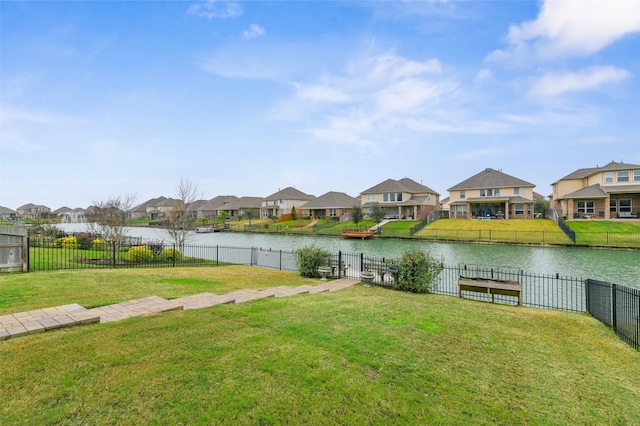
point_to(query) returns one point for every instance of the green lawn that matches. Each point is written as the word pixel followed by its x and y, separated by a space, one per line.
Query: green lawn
pixel 509 231
pixel 356 356
pixel 606 233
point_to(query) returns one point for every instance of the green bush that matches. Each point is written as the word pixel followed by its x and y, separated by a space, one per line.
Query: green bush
pixel 171 254
pixel 309 259
pixel 99 244
pixel 417 272
pixel 68 242
pixel 140 254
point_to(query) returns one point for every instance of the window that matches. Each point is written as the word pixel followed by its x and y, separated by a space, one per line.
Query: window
pixel 482 193
pixel 496 192
pixel 519 208
pixel 461 210
pixel 586 207
pixel 613 205
pixel 463 194
pixel 608 177
pixel 371 197
pixel 333 212
pixel 385 197
pixel 518 191
pixel 636 175
pixel 489 193
pixel 624 206
pixel 623 176
pixel 392 197
pixel 399 196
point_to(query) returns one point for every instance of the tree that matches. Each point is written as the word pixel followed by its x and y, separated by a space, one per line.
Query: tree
pixel 417 272
pixel 377 213
pixel 294 215
pixel 180 221
pixel 109 218
pixel 356 214
pixel 250 214
pixel 223 216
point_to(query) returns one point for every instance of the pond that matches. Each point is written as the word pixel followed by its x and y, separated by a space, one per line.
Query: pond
pixel 617 266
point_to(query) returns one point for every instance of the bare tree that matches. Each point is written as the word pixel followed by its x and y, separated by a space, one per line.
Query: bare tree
pixel 180 221
pixel 108 218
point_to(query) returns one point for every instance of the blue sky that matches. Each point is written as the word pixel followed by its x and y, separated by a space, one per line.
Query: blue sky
pixel 100 99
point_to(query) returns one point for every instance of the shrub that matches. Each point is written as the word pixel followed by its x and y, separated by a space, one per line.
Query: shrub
pixel 84 240
pixel 309 259
pixel 417 272
pixel 140 254
pixel 171 254
pixel 99 244
pixel 155 246
pixel 68 243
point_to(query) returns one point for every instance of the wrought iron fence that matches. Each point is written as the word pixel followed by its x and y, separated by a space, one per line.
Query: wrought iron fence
pixel 616 306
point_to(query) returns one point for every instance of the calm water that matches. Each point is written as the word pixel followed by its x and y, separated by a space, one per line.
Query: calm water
pixel 621 267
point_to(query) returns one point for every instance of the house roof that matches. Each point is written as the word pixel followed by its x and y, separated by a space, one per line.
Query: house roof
pixel 402 185
pixel 593 191
pixel 612 166
pixel 217 202
pixel 6 210
pixel 332 200
pixel 242 203
pixel 618 189
pixel 490 178
pixel 289 193
pixel 152 202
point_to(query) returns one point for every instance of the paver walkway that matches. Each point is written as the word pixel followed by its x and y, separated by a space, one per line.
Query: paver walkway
pixel 41 320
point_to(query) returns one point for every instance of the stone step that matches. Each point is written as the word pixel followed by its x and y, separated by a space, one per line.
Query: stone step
pixel 41 320
pixel 136 308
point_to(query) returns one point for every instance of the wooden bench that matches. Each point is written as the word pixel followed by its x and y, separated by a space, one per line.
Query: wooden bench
pixel 490 287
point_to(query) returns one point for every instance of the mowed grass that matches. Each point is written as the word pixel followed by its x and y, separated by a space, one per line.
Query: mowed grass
pixel 356 356
pixel 516 231
pixel 97 287
pixel 606 233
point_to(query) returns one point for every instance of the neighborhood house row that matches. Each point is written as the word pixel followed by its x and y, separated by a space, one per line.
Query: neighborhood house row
pixel 607 192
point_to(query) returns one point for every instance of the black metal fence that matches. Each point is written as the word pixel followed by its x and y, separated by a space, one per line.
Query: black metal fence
pixel 615 305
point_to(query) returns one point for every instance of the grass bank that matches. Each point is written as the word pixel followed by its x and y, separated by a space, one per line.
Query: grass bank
pixel 357 356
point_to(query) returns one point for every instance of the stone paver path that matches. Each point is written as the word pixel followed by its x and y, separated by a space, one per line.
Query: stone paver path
pixel 41 320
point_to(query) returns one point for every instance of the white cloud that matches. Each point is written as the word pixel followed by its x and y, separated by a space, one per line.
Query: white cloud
pixel 484 74
pixel 571 28
pixel 318 94
pixel 557 83
pixel 390 66
pixel 253 31
pixel 216 9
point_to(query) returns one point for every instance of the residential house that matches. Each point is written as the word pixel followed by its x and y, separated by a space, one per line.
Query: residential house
pixel 241 207
pixel 148 209
pixel 34 211
pixel 404 198
pixel 194 207
pixel 332 204
pixel 209 210
pixel 492 194
pixel 8 214
pixel 608 192
pixel 281 202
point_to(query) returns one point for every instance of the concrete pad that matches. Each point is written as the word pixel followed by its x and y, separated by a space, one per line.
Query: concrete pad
pixel 4 334
pixel 17 331
pixel 33 327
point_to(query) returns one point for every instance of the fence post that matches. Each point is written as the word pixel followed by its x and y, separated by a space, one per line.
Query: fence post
pixel 281 259
pixel 614 317
pixel 361 262
pixel 217 255
pixel 26 254
pixel 174 255
pixel 114 254
pixel 339 262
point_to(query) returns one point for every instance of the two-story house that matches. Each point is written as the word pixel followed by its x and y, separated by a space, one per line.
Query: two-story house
pixel 608 192
pixel 281 202
pixel 34 211
pixel 404 198
pixel 492 194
